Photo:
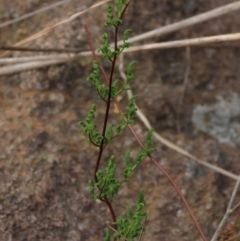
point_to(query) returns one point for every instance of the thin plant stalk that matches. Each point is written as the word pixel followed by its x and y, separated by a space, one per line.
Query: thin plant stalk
pixel 108 104
pixel 228 211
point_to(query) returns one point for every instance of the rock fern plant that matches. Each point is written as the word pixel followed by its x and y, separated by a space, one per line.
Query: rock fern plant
pixel 105 184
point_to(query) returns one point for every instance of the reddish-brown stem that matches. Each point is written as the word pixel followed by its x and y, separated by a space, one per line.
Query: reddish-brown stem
pixel 140 143
pixel 104 127
pixel 109 93
pixel 111 211
pixel 125 9
pixel 107 107
pixel 108 104
pixel 103 140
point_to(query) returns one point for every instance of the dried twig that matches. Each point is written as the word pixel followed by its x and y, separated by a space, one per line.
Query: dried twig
pixel 35 63
pixel 164 45
pixel 186 42
pixel 42 58
pixel 28 15
pixel 67 57
pixel 235 207
pixel 224 219
pixel 188 22
pixel 27 49
pixel 157 32
pixel 185 82
pixel 47 30
pixel 166 142
pixel 28 66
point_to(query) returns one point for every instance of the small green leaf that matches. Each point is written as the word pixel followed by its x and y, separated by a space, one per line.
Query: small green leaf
pixel 131 227
pixel 107 235
pixel 130 75
pixel 126 33
pixel 108 135
pixel 91 189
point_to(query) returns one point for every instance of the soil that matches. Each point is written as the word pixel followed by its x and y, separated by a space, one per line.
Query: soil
pixel 46 161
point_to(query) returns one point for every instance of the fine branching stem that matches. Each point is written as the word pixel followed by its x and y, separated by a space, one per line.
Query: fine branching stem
pixel 111 211
pixel 127 227
pixel 107 106
pixel 105 122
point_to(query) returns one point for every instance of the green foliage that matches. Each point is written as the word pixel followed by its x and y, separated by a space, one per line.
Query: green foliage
pixel 108 186
pixel 107 182
pixel 107 52
pixel 89 127
pixel 131 112
pixel 95 137
pixel 130 75
pixel 91 189
pixel 102 89
pixel 142 154
pixel 105 49
pixel 115 21
pixel 130 227
pixel 148 143
pixel 94 78
pixel 107 235
pixel 120 5
pixel 127 117
pixel 125 44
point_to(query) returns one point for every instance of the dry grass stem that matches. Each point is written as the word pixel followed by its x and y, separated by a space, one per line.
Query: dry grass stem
pixel 28 15
pixel 47 30
pixel 47 50
pixel 29 63
pixel 61 58
pixel 234 208
pixel 185 82
pixel 157 32
pixel 186 42
pixel 224 219
pixel 166 142
pixel 28 66
pixel 19 60
pixel 188 22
